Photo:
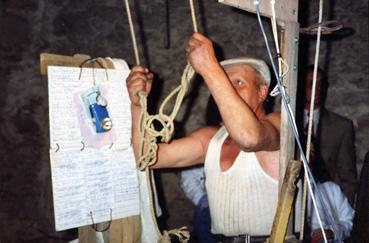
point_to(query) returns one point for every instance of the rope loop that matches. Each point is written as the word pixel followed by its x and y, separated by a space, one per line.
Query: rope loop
pixel 182 234
pixel 147 146
pixel 167 127
pixel 148 133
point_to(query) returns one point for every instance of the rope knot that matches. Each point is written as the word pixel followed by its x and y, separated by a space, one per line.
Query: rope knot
pixel 182 234
pixel 148 133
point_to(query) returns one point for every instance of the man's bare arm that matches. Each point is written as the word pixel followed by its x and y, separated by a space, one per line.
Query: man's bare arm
pixel 240 120
pixel 245 128
pixel 184 152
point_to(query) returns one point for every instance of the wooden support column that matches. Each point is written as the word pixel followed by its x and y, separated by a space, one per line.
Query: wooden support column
pixel 285 202
pixel 289 48
pixel 286 10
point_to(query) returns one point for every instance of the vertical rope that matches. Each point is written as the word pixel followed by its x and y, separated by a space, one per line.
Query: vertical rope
pixel 147 131
pixel 132 31
pixel 148 146
pixel 310 125
pixel 193 15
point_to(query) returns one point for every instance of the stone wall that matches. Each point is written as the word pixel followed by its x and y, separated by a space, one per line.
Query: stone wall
pixel 99 28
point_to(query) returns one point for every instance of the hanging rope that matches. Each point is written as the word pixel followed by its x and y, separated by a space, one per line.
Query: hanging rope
pixel 148 147
pixel 132 31
pixel 147 155
pixel 193 15
pixel 310 126
pixel 182 234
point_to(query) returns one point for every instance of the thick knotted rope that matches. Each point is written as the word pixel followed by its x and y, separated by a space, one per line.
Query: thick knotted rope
pixel 148 147
pixel 182 234
pixel 147 155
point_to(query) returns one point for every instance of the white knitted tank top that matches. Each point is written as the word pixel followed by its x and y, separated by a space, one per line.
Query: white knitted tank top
pixel 243 199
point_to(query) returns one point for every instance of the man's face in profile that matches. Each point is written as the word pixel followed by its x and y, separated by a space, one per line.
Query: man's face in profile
pixel 246 82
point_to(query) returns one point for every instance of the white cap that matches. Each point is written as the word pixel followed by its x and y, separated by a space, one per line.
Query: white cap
pixel 259 65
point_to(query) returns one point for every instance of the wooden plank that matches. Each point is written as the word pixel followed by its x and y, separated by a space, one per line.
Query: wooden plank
pixel 289 49
pixel 285 202
pixel 86 235
pixel 127 230
pixel 48 59
pixel 286 10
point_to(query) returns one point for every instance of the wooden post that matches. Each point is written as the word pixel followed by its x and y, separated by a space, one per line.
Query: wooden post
pixel 127 230
pixel 286 10
pixel 285 202
pixel 289 48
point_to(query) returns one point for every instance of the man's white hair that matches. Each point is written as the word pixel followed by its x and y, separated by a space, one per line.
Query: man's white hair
pixel 259 65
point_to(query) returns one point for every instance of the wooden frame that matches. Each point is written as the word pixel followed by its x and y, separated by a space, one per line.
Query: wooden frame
pixel 286 10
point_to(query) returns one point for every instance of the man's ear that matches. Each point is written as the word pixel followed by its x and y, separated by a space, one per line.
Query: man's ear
pixel 263 92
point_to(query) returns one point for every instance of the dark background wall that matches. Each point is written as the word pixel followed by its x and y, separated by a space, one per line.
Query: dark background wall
pixel 99 28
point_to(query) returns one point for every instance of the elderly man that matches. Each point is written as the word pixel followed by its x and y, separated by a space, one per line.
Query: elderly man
pixel 242 157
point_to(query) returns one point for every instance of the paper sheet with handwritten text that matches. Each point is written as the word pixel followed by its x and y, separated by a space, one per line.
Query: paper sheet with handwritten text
pixel 90 185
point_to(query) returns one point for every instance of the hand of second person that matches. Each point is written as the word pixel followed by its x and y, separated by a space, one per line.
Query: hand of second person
pixel 139 80
pixel 200 54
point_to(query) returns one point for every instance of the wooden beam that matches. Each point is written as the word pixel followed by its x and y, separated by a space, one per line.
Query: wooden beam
pixel 286 10
pixel 48 59
pixel 285 203
pixel 289 48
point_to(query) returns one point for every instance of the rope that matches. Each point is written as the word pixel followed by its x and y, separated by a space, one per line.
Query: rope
pixel 147 155
pixel 193 15
pixel 148 148
pixel 132 31
pixel 310 128
pixel 182 234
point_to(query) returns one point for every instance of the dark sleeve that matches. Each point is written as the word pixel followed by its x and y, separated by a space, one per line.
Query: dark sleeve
pixel 347 163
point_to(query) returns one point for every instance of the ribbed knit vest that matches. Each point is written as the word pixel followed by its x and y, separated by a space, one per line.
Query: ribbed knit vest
pixel 243 199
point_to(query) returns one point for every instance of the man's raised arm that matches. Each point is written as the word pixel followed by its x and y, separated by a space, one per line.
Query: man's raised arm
pixel 241 110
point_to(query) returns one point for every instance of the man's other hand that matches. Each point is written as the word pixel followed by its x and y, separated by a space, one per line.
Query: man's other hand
pixel 139 80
